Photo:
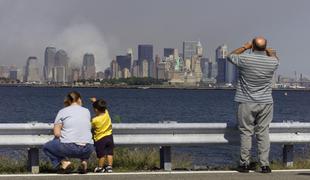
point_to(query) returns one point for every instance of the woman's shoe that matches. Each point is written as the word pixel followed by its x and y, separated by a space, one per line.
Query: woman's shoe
pixel 66 170
pixel 83 167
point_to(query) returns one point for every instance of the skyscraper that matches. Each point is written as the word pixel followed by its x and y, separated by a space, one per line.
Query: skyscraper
pixel 100 75
pixel 189 49
pixel 210 69
pixel 135 69
pixel 75 74
pixel 126 73
pixel 157 61
pixel 168 52
pixel 162 70
pixel 130 53
pixel 88 67
pixel 231 73
pixel 204 66
pixel 221 54
pixel 114 69
pixel 124 61
pixel 197 69
pixel 49 63
pixel 59 74
pixel 199 50
pixel 13 73
pixel 4 71
pixel 61 69
pixel 227 72
pixel 144 68
pixel 32 70
pixel 107 73
pixel 145 52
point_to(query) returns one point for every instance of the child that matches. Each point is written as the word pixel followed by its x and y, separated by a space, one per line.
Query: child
pixel 102 133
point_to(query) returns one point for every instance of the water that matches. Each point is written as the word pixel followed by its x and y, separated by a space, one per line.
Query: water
pixel 24 104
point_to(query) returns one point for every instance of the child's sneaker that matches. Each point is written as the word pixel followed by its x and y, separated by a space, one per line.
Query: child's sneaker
pixel 99 170
pixel 108 169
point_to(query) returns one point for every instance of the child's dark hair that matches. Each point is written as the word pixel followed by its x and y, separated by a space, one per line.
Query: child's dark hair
pixel 100 105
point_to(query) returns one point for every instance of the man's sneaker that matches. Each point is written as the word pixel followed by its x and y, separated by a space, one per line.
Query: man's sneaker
pixel 99 170
pixel 266 169
pixel 108 169
pixel 243 169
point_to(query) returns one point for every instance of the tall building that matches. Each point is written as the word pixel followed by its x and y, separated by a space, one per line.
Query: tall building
pixel 13 73
pixel 157 61
pixel 231 73
pixel 100 75
pixel 221 55
pixel 124 61
pixel 168 52
pixel 162 70
pixel 61 68
pixel 49 63
pixel 107 73
pixel 59 74
pixel 88 67
pixel 196 68
pixel 4 71
pixel 210 69
pixel 226 71
pixel 135 69
pixel 130 53
pixel 204 66
pixel 199 50
pixel 145 52
pixel 126 73
pixel 32 70
pixel 189 49
pixel 75 74
pixel 114 69
pixel 144 68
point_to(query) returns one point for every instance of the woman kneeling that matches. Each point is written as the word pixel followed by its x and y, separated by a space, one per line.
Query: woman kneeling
pixel 73 138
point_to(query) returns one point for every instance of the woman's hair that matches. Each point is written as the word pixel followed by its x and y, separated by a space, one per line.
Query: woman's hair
pixel 100 105
pixel 72 97
pixel 66 102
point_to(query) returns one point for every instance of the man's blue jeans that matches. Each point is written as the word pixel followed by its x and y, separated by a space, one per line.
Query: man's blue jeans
pixel 58 151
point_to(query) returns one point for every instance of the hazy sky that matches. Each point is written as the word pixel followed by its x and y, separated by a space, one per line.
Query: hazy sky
pixel 108 27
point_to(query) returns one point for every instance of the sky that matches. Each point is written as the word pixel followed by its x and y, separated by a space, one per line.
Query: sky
pixel 109 27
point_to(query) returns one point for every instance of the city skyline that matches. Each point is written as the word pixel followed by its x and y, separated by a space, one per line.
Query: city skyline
pixel 108 28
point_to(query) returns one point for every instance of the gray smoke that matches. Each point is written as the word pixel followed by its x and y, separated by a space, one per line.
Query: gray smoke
pixel 28 27
pixel 79 39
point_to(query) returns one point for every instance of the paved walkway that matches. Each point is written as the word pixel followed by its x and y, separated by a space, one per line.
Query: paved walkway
pixel 186 175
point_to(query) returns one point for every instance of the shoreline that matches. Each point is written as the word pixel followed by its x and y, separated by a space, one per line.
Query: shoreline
pixel 142 87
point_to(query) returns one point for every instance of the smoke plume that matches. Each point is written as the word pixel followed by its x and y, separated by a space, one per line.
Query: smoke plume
pixel 79 39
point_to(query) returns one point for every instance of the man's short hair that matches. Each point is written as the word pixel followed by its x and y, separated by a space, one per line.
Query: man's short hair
pixel 259 46
pixel 100 105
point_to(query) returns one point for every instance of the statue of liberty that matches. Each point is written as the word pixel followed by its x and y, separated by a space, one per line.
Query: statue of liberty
pixel 177 64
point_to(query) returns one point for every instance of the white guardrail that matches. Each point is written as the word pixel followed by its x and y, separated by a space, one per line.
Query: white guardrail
pixel 164 135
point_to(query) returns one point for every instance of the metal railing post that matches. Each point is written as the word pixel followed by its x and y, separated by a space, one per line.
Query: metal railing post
pixel 33 160
pixel 288 155
pixel 165 158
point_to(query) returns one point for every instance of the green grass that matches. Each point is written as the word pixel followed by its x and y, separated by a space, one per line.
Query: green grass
pixel 125 159
pixel 9 165
pixel 132 159
pixel 298 164
pixel 136 159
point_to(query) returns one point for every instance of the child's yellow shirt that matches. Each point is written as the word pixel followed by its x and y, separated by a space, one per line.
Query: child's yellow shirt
pixel 102 126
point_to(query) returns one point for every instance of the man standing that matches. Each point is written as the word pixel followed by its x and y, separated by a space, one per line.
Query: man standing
pixel 255 103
